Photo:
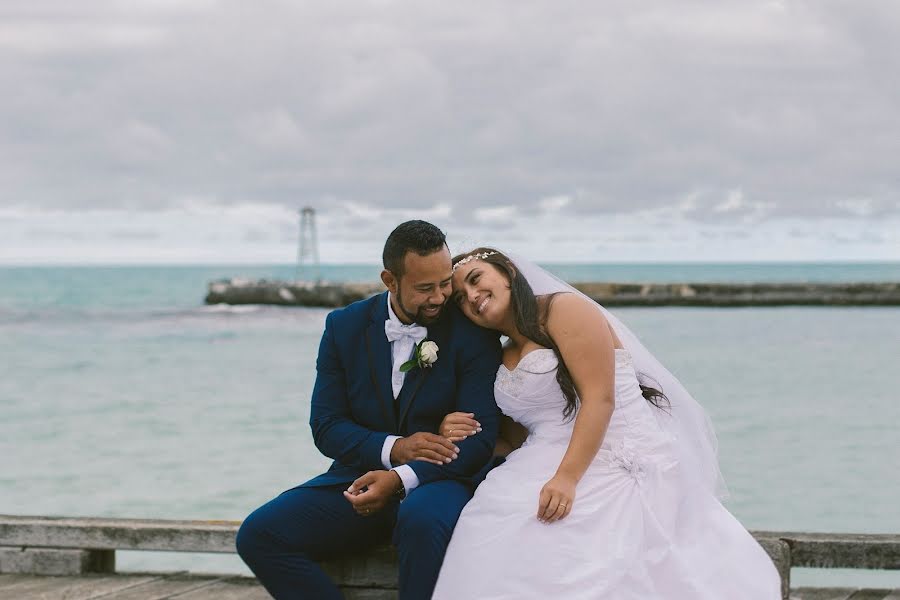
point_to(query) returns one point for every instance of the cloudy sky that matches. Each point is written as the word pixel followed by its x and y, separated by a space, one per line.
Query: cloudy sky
pixel 192 130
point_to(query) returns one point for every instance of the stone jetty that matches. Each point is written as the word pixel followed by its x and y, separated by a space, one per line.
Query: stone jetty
pixel 246 291
pixel 74 559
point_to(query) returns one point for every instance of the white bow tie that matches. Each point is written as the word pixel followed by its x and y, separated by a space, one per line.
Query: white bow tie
pixel 394 331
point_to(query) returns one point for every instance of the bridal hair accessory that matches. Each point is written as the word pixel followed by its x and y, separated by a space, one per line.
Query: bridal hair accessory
pixel 472 257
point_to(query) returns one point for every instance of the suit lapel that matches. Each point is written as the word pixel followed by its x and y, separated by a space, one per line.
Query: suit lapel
pixel 416 377
pixel 412 383
pixel 380 361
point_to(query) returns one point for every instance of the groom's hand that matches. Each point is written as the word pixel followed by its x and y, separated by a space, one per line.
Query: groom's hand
pixel 429 447
pixel 372 492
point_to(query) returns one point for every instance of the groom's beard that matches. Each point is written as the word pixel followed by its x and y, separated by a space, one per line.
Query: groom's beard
pixel 419 317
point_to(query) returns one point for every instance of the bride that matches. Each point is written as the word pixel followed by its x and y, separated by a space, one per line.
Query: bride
pixel 610 487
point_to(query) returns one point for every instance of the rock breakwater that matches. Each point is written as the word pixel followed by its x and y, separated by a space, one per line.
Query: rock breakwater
pixel 244 291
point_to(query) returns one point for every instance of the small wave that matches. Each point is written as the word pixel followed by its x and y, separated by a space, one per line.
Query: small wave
pixel 78 365
pixel 230 308
pixel 17 316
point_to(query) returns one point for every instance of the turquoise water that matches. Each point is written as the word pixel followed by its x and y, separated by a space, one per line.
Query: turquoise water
pixel 149 287
pixel 122 395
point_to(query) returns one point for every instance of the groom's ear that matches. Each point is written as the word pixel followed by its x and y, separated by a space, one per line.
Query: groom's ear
pixel 389 281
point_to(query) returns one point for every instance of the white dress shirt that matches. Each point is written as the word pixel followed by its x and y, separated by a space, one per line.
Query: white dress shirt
pixel 401 351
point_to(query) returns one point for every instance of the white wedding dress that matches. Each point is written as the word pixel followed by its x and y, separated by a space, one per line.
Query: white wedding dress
pixel 634 533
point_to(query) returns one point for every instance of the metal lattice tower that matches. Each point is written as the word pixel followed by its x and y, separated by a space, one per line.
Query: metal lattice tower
pixel 308 250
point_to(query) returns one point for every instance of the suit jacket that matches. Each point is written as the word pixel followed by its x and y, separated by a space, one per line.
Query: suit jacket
pixel 353 408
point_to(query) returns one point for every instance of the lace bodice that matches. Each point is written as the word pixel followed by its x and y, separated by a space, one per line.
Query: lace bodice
pixel 531 396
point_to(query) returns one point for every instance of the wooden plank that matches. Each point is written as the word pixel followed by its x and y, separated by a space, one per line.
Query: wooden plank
pixel 237 588
pixel 840 550
pixel 56 561
pixel 376 568
pixel 845 553
pixel 807 593
pixel 209 587
pixel 70 588
pixel 163 588
pixel 119 534
pixel 9 579
pixel 374 574
pixel 154 587
pixel 780 553
pixel 27 586
pixel 870 594
pixel 871 551
pixel 866 551
pixel 821 593
pixel 243 587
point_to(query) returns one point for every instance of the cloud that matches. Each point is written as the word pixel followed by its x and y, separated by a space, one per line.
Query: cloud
pixel 495 214
pixel 554 203
pixel 276 129
pixel 860 207
pixel 250 233
pixel 725 113
pixel 55 234
pixel 133 234
pixel 36 37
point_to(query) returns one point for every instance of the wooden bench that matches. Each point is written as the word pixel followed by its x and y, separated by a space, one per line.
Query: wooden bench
pixel 80 553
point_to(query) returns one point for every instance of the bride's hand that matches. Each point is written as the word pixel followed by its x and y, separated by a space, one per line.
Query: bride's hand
pixel 556 499
pixel 457 426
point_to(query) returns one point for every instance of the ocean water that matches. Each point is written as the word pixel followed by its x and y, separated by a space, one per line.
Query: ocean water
pixel 121 394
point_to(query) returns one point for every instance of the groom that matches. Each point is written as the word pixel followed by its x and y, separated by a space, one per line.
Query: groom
pixel 393 477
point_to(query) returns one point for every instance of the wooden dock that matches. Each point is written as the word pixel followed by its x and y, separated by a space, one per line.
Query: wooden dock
pixel 182 586
pixel 130 587
pixel 52 558
pixel 285 293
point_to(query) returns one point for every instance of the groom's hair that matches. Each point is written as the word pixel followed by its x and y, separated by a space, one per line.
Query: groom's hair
pixel 420 237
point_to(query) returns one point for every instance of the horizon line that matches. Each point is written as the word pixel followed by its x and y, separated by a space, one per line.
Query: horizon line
pixel 848 261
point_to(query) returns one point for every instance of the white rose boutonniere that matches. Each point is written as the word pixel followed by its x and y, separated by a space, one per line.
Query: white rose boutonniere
pixel 426 354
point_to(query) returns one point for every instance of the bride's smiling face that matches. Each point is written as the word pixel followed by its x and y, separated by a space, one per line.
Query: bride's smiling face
pixel 481 291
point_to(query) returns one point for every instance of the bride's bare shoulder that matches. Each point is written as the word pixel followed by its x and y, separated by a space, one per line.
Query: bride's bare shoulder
pixel 565 301
pixel 566 311
pixel 548 301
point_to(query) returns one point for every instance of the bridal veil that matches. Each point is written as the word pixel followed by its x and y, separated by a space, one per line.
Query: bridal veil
pixel 685 420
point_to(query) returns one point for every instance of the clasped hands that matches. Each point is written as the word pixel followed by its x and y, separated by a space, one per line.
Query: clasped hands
pixel 372 492
pixel 437 449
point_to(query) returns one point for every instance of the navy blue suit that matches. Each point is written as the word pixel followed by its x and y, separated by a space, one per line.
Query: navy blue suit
pixel 353 410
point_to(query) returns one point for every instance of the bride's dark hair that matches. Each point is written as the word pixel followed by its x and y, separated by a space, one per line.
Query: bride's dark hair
pixel 530 318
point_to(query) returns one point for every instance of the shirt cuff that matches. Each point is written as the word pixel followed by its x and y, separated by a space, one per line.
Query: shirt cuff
pixel 386 451
pixel 408 477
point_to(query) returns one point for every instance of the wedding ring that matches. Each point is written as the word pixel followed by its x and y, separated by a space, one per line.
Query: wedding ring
pixel 563 504
pixel 451 433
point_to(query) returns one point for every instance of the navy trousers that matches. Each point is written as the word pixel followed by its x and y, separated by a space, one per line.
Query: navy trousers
pixel 283 540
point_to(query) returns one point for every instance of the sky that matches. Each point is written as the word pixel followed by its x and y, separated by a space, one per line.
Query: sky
pixel 192 131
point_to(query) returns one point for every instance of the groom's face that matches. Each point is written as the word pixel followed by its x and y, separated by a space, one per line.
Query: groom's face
pixel 420 293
